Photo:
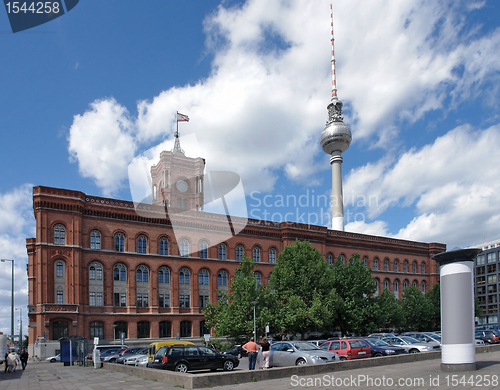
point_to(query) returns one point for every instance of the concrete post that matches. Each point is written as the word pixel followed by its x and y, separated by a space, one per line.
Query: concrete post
pixel 457 309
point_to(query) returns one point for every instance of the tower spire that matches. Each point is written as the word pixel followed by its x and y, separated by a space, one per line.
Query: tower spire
pixel 335 139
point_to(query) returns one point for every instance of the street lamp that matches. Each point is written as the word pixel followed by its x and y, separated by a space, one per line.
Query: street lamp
pixel 12 300
pixel 20 328
pixel 254 303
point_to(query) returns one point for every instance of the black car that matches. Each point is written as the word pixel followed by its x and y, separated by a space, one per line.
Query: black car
pixel 488 336
pixel 381 348
pixel 236 351
pixel 183 358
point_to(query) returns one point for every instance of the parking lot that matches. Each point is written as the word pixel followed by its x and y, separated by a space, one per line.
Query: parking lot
pixel 424 374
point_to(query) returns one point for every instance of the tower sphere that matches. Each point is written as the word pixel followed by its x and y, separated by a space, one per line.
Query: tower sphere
pixel 336 136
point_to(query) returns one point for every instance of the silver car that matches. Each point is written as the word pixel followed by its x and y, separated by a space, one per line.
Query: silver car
pixel 411 345
pixel 131 359
pixel 297 353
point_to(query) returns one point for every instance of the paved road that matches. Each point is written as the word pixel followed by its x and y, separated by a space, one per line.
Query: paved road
pixel 417 375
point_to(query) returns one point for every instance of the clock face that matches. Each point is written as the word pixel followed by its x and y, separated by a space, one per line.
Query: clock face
pixel 182 186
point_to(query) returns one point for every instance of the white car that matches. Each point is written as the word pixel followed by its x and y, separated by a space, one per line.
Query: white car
pixel 53 359
pixel 130 360
pixel 142 361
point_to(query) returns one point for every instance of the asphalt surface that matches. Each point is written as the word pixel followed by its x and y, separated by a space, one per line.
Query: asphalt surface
pixel 416 375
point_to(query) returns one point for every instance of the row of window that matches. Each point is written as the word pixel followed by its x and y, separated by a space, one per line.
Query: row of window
pixel 375 267
pixel 487 258
pixel 395 286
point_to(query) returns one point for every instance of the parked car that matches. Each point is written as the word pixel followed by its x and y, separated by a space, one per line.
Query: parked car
pixel 236 351
pixel 129 359
pixel 488 336
pixel 479 342
pixel 380 335
pixel 379 348
pixel 110 355
pixel 102 348
pixel 184 358
pixel 142 361
pixel 348 349
pixel 410 344
pixel 424 337
pixel 53 359
pixel 297 353
pixel 126 353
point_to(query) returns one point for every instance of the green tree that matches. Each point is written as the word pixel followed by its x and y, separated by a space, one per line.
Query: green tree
pixel 434 297
pixel 417 310
pixel 301 285
pixel 354 285
pixel 389 313
pixel 233 314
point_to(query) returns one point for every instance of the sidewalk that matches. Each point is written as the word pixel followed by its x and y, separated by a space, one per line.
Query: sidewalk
pixel 416 375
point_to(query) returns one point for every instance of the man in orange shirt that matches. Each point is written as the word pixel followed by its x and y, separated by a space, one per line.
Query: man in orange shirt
pixel 251 347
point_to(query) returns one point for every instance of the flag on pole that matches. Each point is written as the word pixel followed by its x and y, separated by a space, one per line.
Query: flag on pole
pixel 182 117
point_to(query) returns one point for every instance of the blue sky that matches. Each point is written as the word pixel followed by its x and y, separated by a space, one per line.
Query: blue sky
pixel 83 95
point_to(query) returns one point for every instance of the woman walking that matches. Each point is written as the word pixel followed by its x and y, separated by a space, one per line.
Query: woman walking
pixel 264 347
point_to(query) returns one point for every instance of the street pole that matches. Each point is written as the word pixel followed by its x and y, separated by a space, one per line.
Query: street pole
pixel 20 328
pixel 254 303
pixel 11 300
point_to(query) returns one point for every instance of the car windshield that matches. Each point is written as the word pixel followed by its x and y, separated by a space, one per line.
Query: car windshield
pixel 434 337
pixel 378 342
pixel 409 340
pixel 304 346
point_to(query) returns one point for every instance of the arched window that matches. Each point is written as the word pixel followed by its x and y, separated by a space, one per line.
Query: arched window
pixel 422 268
pixel 95 239
pixel 386 264
pixel 329 259
pixel 163 275
pixel 184 276
pixel 96 329
pixel 414 267
pixel 96 286
pixel 386 284
pixel 186 328
pixel 59 269
pixel 142 330
pixel 203 277
pixel 119 273
pixel 165 329
pixel 222 251
pixel 396 265
pixel 256 254
pixel 365 262
pixel 258 277
pixel 119 242
pixel 405 285
pixel 375 264
pixel 95 271
pixel 395 288
pixel 163 246
pixel 59 235
pixel 405 266
pixel 59 329
pixel 142 274
pixel 422 286
pixel 222 278
pixel 204 250
pixel 120 327
pixel 142 244
pixel 239 252
pixel 342 259
pixel 375 283
pixel 184 248
pixel 272 255
pixel 414 283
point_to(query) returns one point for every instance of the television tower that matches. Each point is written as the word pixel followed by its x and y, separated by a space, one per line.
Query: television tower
pixel 335 139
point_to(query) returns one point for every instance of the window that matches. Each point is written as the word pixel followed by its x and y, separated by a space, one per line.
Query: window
pixel 60 297
pixel 203 328
pixel 272 256
pixel 329 259
pixel 492 278
pixel 203 250
pixel 59 235
pixel 222 251
pixel 395 288
pixel 256 254
pixel 204 301
pixel 142 300
pixel 365 262
pixel 120 327
pixel 222 278
pixel 164 300
pixel 163 246
pixel 184 276
pixel 96 330
pixel 142 330
pixel 184 249
pixel 95 271
pixel 342 259
pixel 163 275
pixel 386 284
pixel 414 267
pixel 396 265
pixel 142 244
pixel 405 285
pixel 185 328
pixel 405 266
pixel 480 260
pixel 203 277
pixel 491 268
pixel 386 264
pixel 414 283
pixel 59 329
pixel 92 299
pixel 119 242
pixel 258 277
pixel 422 286
pixel 99 301
pixel 120 299
pixel 119 273
pixel 422 268
pixel 375 264
pixel 239 252
pixel 95 239
pixel 491 257
pixel 165 329
pixel 59 269
pixel 184 301
pixel 142 273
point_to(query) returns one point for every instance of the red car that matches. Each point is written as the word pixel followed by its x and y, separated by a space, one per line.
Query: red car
pixel 348 349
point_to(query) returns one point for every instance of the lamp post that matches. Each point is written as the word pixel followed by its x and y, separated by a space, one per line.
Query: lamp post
pixel 254 303
pixel 20 328
pixel 12 300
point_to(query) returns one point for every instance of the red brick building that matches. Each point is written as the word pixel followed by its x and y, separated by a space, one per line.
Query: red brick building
pixel 98 267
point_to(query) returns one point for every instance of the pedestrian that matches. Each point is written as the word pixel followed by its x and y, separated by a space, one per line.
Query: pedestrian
pixel 251 347
pixel 24 359
pixel 264 347
pixel 12 361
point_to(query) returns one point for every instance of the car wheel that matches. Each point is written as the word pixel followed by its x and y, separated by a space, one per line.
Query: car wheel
pixel 181 367
pixel 343 358
pixel 300 362
pixel 228 365
pixel 53 360
pixel 112 360
pixel 414 350
pixel 378 354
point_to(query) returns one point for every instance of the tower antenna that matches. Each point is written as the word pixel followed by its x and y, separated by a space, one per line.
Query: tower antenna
pixel 334 76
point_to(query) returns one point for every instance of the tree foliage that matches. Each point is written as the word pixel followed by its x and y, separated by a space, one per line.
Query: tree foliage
pixel 434 297
pixel 417 310
pixel 389 312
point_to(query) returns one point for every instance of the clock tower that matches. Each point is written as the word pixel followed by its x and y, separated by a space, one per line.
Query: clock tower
pixel 177 180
